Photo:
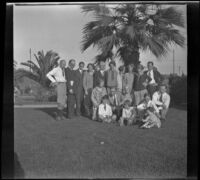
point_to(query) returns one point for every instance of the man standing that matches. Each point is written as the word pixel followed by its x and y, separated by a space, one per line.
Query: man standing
pixel 156 78
pixel 57 77
pixel 79 94
pixel 100 74
pixel 162 100
pixel 71 88
pixel 111 76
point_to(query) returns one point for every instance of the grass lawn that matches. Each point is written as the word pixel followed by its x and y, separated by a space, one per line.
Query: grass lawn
pixel 45 148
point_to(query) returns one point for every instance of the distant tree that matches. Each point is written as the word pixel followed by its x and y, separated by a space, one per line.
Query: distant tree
pixel 38 71
pixel 131 28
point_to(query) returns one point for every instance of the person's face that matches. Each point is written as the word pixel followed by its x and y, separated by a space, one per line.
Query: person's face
pixel 101 84
pixel 81 66
pixel 140 71
pixel 126 106
pixel 102 66
pixel 112 92
pixel 162 89
pixel 90 68
pixel 112 66
pixel 150 66
pixel 72 64
pixel 62 64
pixel 147 98
pixel 104 101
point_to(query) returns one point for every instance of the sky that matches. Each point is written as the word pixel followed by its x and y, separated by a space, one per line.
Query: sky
pixel 59 28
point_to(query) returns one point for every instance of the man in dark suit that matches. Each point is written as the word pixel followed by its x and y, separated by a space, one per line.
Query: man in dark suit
pixel 79 94
pixel 100 74
pixel 156 78
pixel 71 87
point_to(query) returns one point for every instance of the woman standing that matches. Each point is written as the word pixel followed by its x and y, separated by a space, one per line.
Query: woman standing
pixel 88 86
pixel 140 84
pixel 121 79
pixel 129 78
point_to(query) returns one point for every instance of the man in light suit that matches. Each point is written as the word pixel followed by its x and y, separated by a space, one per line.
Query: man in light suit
pixel 156 78
pixel 162 100
pixel 79 94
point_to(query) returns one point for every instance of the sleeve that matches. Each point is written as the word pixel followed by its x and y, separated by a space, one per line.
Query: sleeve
pixel 140 106
pixel 95 79
pixel 167 101
pixel 155 99
pixel 100 110
pixel 110 111
pixel 155 107
pixel 123 113
pixel 84 81
pixel 50 74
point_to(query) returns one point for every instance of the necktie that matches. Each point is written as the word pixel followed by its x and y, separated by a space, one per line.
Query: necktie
pixel 161 96
pixel 63 72
pixel 105 107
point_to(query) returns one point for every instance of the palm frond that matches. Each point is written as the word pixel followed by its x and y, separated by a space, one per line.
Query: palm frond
pixel 96 9
pixel 24 73
pixel 170 16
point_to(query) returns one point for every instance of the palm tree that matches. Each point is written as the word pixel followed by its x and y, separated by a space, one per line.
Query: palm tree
pixel 45 62
pixel 131 28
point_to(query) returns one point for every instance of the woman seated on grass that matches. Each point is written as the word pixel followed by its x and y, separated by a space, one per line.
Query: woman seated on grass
pixel 151 119
pixel 97 93
pixel 128 114
pixel 105 113
pixel 144 104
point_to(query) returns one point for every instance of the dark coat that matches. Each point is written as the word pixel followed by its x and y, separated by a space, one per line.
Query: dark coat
pixel 79 80
pixel 70 76
pixel 157 76
pixel 97 75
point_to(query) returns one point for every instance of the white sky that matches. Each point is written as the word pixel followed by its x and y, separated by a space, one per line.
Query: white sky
pixel 59 28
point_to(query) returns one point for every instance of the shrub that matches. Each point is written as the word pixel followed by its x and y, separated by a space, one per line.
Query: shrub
pixel 178 89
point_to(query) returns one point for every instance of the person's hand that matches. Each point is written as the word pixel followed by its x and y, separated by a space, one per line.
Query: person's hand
pixel 145 84
pixel 86 93
pixel 71 91
pixel 164 106
pixel 53 84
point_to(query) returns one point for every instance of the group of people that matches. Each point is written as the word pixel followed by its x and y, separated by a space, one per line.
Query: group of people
pixel 125 97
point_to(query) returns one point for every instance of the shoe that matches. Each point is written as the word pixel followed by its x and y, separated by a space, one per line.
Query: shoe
pixel 58 118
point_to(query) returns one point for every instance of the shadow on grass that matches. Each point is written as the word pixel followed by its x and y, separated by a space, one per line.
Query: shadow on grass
pixel 51 111
pixel 18 170
pixel 179 107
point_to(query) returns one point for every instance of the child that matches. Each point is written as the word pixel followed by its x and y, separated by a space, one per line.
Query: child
pixel 151 119
pixel 114 100
pixel 128 114
pixel 105 111
pixel 144 104
pixel 97 93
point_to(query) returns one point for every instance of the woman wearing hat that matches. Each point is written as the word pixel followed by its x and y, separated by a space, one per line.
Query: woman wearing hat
pixel 140 84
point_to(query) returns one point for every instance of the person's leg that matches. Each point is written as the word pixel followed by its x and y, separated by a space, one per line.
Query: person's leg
pixel 151 89
pixel 163 114
pixel 121 121
pixel 87 105
pixel 61 96
pixel 78 103
pixel 137 98
pixel 94 114
pixel 70 105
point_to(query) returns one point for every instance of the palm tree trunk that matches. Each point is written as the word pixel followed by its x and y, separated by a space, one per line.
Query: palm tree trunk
pixel 132 56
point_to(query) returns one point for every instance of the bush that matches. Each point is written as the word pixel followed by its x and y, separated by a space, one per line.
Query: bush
pixel 178 89
pixel 41 94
